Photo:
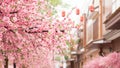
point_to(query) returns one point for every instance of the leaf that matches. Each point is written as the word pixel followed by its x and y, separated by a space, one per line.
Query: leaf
pixel 54 12
pixel 78 41
pixel 57 58
pixel 66 57
pixel 55 2
pixel 68 43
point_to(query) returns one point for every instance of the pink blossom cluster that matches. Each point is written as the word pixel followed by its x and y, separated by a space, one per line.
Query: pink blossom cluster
pixel 28 33
pixel 110 61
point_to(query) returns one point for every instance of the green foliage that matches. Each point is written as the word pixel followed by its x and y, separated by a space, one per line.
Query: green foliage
pixel 66 57
pixel 54 12
pixel 78 41
pixel 68 43
pixel 55 2
pixel 57 58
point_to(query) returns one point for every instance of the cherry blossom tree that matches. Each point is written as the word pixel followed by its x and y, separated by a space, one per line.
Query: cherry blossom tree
pixel 28 33
pixel 110 61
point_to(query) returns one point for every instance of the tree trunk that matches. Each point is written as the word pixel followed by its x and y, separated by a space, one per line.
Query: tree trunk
pixel 14 65
pixel 6 62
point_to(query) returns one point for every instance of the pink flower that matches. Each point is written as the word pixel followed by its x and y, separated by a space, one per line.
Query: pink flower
pixel 112 60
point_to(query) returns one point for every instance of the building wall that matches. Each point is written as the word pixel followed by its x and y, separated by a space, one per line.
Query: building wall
pixel 108 9
pixel 95 30
pixel 116 44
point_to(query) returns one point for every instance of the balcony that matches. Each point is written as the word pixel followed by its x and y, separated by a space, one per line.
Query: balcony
pixel 113 34
pixel 113 21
